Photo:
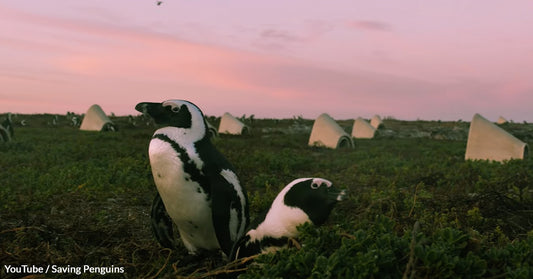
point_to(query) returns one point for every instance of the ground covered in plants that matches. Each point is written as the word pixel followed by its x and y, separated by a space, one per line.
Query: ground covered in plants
pixel 415 207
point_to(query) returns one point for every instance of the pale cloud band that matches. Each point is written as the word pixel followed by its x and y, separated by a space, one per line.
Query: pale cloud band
pixel 324 65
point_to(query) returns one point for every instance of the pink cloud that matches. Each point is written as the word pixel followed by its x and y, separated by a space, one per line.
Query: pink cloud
pixel 119 66
pixel 142 65
pixel 280 38
pixel 124 54
pixel 282 35
pixel 370 25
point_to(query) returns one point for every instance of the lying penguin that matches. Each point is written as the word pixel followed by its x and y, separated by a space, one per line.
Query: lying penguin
pixel 196 185
pixel 303 200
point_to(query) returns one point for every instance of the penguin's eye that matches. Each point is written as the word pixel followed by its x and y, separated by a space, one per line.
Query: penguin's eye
pixel 175 109
pixel 315 185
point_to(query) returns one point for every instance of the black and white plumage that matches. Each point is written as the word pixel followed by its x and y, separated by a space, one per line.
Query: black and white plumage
pixel 196 184
pixel 304 200
pixel 161 224
pixel 6 129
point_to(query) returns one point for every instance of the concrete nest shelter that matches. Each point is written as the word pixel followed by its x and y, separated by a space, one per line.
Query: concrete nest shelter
pixel 231 125
pixel 501 120
pixel 362 129
pixel 487 141
pixel 327 133
pixel 96 120
pixel 376 121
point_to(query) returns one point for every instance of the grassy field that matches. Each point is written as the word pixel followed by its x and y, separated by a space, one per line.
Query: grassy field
pixel 415 207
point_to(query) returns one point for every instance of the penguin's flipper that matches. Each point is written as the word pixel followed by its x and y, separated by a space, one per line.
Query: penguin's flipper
pixel 221 207
pixel 162 224
pixel 229 209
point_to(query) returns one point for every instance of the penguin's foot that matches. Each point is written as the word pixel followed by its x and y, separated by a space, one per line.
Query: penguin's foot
pixel 202 258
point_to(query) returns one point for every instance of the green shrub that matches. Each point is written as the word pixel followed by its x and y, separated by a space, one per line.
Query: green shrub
pixel 73 197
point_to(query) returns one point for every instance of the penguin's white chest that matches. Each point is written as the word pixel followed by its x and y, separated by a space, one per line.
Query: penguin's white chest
pixel 184 199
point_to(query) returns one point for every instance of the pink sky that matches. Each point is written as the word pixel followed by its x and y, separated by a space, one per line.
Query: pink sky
pixel 407 59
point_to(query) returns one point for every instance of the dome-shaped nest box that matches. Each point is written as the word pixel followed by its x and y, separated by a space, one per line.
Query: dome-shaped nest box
pixel 326 132
pixel 376 121
pixel 231 125
pixel 362 129
pixel 487 141
pixel 96 120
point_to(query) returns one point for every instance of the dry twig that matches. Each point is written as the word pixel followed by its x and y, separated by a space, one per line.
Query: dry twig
pixel 347 235
pixel 411 261
pixel 22 229
pixel 164 265
pixel 231 267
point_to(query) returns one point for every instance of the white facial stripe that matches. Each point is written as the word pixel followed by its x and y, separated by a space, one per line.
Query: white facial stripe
pixel 195 132
pixel 320 181
pixel 174 105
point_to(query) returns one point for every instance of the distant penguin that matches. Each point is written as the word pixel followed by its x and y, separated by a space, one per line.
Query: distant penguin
pixel 74 121
pixel 132 121
pixel 6 129
pixel 304 200
pixel 197 185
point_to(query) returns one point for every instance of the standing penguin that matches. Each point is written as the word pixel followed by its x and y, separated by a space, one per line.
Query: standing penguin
pixel 301 201
pixel 6 129
pixel 196 184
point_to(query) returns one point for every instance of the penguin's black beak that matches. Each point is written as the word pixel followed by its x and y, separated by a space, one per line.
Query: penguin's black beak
pixel 335 194
pixel 155 110
pixel 146 107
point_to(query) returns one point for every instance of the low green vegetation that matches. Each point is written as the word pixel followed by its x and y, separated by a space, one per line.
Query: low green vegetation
pixel 415 208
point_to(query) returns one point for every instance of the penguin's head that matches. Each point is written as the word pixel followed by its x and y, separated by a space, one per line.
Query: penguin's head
pixel 301 201
pixel 176 113
pixel 314 196
pixel 179 114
